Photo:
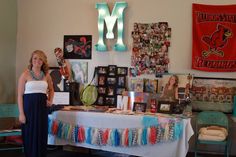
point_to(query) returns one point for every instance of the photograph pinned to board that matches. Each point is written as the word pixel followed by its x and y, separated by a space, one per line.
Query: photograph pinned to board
pixel 78 46
pixel 79 71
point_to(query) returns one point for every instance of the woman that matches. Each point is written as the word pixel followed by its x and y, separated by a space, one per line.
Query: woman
pixel 170 91
pixel 35 94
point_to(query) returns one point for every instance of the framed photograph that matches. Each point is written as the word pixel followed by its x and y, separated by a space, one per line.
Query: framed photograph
pixel 101 90
pixel 102 70
pixel 112 70
pixel 150 86
pixel 110 101
pixel 121 81
pixel 58 81
pixel 102 80
pixel 79 71
pixel 213 94
pixel 136 85
pixel 111 91
pixel 139 107
pixel 122 70
pixel 120 91
pixel 78 46
pixel 165 106
pixel 101 100
pixel 111 80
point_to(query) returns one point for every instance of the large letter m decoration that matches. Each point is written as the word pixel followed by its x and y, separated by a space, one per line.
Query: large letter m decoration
pixel 110 20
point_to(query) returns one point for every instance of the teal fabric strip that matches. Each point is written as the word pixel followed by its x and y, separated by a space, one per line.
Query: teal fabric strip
pixel 149 121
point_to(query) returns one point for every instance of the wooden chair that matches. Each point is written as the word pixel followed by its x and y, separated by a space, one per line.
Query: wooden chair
pixel 9 111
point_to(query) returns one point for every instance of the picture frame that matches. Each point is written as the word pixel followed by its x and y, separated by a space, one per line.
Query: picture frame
pixel 102 80
pixel 112 71
pixel 101 100
pixel 150 85
pixel 136 85
pixel 121 81
pixel 110 101
pixel 79 71
pixel 102 70
pixel 165 107
pixel 57 79
pixel 119 91
pixel 215 94
pixel 122 70
pixel 139 107
pixel 101 90
pixel 111 80
pixel 111 91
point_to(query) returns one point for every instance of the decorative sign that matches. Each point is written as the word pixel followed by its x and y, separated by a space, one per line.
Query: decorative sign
pixel 110 20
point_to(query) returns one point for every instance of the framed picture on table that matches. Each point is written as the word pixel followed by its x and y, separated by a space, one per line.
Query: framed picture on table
pixel 165 106
pixel 139 107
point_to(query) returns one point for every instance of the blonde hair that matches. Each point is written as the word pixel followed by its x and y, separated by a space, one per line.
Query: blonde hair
pixel 176 80
pixel 43 57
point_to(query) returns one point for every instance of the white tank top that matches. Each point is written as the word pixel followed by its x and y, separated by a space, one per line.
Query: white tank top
pixel 36 87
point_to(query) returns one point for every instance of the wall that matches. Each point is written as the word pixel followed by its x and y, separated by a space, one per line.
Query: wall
pixel 42 25
pixel 8 22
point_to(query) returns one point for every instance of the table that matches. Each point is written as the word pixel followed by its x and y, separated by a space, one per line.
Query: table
pixel 177 148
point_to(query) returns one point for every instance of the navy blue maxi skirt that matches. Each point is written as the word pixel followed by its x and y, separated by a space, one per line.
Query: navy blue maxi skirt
pixel 35 130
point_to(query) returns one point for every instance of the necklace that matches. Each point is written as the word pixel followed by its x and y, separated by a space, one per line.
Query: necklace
pixel 40 77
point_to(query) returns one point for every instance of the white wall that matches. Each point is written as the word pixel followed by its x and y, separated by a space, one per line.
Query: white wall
pixel 43 23
pixel 8 11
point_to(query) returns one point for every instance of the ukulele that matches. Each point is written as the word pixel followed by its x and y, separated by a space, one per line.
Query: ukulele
pixel 64 70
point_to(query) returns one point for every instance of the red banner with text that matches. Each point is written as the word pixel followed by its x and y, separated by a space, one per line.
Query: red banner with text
pixel 214 38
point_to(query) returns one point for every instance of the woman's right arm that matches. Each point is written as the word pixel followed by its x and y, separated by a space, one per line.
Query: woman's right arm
pixel 21 88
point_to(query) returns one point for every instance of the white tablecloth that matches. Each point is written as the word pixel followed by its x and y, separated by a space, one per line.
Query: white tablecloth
pixel 178 148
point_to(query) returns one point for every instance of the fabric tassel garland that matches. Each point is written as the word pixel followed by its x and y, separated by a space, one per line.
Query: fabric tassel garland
pixel 130 137
pixel 168 129
pixel 126 137
pixel 139 137
pixel 88 137
pixel 144 136
pixel 152 135
pixel 76 131
pixel 105 137
pixel 81 134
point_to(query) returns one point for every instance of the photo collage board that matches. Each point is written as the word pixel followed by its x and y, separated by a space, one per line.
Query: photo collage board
pixel 150 48
pixel 111 81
